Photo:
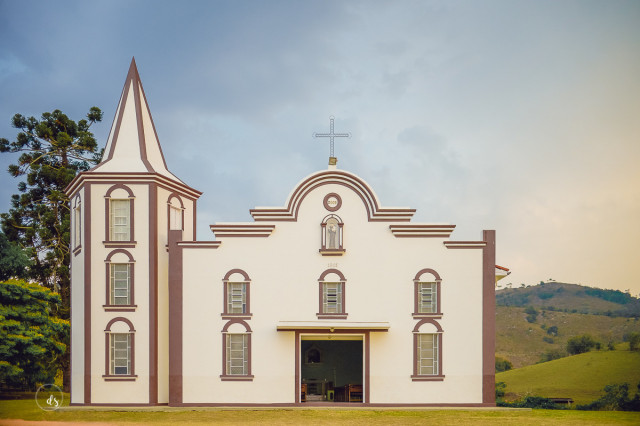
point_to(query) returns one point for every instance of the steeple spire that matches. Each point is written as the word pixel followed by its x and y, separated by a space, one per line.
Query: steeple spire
pixel 133 144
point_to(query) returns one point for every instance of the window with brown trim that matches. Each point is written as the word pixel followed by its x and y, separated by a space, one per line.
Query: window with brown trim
pixel 119 220
pixel 176 213
pixel 427 351
pixel 77 223
pixel 236 295
pixel 331 295
pixel 119 350
pixel 236 351
pixel 332 236
pixel 119 281
pixel 427 294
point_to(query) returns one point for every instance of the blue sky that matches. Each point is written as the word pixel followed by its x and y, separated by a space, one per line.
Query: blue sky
pixel 519 116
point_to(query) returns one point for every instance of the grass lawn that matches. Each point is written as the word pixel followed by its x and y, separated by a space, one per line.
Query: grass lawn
pixel 581 377
pixel 26 409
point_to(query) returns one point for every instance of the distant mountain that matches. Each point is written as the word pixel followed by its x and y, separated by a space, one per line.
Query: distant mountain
pixel 555 296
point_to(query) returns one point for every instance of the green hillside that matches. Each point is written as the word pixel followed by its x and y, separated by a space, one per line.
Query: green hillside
pixel 581 377
pixel 571 297
pixel 521 341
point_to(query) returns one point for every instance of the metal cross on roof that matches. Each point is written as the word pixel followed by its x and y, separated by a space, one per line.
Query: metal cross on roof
pixel 331 135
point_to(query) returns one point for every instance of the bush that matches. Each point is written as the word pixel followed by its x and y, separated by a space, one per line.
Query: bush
pixel 615 398
pixel 634 341
pixel 580 344
pixel 551 355
pixel 547 339
pixel 532 314
pixel 532 402
pixel 553 330
pixel 503 364
pixel 500 387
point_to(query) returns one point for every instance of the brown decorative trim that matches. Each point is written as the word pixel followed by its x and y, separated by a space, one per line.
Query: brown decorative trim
pixel 77 250
pixel 331 271
pixel 323 237
pixel 366 398
pixel 107 346
pixel 122 378
pixel 120 111
pixel 222 230
pixel 227 378
pixel 291 405
pixel 199 244
pixel 132 304
pixel 236 321
pixel 175 318
pixel 427 271
pixel 331 316
pixel 374 211
pixel 77 227
pixel 488 317
pixel 236 316
pixel 137 86
pixel 332 252
pixel 423 321
pixel 421 231
pixel 108 242
pixel 464 244
pixel 236 271
pixel 153 292
pixel 87 295
pixel 119 245
pixel 325 202
pixel 436 378
pixel 132 178
pixel 297 344
pixel 195 222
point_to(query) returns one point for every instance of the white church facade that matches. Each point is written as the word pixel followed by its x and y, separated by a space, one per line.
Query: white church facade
pixel 330 299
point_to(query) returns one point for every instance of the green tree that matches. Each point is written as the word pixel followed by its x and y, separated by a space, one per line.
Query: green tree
pixel 32 339
pixel 580 344
pixel 634 341
pixel 13 260
pixel 54 149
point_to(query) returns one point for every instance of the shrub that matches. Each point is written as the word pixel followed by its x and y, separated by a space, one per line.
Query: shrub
pixel 551 355
pixel 503 364
pixel 532 314
pixel 634 341
pixel 553 330
pixel 500 387
pixel 547 339
pixel 532 402
pixel 580 344
pixel 616 397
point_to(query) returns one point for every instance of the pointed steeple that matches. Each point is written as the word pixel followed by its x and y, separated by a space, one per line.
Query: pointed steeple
pixel 133 144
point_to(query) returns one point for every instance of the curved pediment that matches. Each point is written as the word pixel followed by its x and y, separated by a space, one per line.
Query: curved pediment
pixel 374 211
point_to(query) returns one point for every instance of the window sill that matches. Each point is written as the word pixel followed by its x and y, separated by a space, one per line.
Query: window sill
pixel 235 316
pixel 116 378
pixel 332 252
pixel 332 316
pixel 436 315
pixel 120 308
pixel 435 378
pixel 120 244
pixel 77 250
pixel 226 378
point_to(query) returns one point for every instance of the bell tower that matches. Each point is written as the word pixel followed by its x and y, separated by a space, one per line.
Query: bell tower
pixel 123 210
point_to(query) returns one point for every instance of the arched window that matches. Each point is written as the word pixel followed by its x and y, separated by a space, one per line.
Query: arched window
pixel 427 300
pixel 236 351
pixel 427 351
pixel 119 350
pixel 332 295
pixel 236 295
pixel 77 223
pixel 176 213
pixel 119 281
pixel 332 236
pixel 119 223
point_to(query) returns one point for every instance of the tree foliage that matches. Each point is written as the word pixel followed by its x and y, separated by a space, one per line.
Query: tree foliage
pixel 580 344
pixel 13 260
pixel 53 151
pixel 32 339
pixel 634 341
pixel 616 398
pixel 503 364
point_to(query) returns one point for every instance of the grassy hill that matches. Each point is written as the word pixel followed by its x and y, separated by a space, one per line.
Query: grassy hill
pixel 572 298
pixel 521 342
pixel 581 377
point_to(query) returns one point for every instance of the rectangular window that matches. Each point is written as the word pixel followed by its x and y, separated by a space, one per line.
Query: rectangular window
pixel 236 298
pixel 427 298
pixel 120 229
pixel 120 354
pixel 332 298
pixel 237 355
pixel 120 283
pixel 427 356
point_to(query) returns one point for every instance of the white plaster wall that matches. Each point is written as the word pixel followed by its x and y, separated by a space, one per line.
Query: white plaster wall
pixel 379 268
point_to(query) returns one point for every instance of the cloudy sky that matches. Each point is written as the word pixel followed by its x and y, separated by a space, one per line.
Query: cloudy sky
pixel 519 116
